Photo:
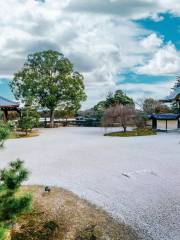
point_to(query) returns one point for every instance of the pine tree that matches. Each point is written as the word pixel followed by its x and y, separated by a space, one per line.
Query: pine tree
pixel 177 84
pixel 11 205
pixel 29 119
pixel 175 105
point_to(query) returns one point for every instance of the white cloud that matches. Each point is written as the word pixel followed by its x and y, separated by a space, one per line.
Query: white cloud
pixel 154 90
pixel 166 61
pixel 132 9
pixel 151 42
pixel 98 36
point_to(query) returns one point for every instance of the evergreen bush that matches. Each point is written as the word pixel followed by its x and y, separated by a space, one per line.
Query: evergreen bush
pixel 12 205
pixel 29 119
pixel 5 131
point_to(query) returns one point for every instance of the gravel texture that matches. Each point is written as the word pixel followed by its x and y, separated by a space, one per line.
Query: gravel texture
pixel 137 179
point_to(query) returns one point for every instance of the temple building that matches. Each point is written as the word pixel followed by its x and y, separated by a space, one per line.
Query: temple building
pixel 168 121
pixel 7 105
pixel 173 97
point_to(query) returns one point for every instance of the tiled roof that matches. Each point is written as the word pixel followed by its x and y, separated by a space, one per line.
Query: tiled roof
pixel 164 116
pixel 7 103
pixel 173 96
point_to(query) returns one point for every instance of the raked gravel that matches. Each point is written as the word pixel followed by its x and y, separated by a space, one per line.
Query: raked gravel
pixel 137 179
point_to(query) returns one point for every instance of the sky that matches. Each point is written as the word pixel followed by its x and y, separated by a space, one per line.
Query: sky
pixel 133 45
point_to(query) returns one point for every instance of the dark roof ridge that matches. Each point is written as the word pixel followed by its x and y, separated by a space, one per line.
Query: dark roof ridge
pixel 9 101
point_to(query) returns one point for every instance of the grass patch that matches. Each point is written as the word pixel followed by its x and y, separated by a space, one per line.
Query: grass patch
pixel 18 134
pixel 134 133
pixel 61 215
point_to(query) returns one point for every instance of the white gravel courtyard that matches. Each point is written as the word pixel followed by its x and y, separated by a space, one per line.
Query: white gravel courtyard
pixel 137 179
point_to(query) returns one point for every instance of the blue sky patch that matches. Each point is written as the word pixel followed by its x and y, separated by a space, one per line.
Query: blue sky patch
pixel 5 89
pixel 131 77
pixel 169 27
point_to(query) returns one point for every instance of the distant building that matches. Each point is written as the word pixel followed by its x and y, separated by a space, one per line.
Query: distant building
pixel 168 121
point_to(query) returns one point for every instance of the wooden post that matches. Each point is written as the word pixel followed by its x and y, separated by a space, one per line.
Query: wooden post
pixel 178 123
pixel 5 115
pixel 154 123
pixel 179 115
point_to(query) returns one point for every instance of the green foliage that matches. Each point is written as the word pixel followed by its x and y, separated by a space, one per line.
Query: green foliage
pixel 12 205
pixel 119 97
pixel 134 133
pixel 48 79
pixel 28 120
pixel 11 125
pixel 12 177
pixel 3 232
pixel 99 109
pixel 5 130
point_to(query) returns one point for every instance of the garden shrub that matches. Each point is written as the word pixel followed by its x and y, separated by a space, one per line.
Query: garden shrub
pixel 11 205
pixel 140 120
pixel 3 232
pixel 5 131
pixel 28 120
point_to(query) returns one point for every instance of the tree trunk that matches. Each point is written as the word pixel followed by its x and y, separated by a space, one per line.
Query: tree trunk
pixel 52 117
pixel 5 115
pixel 45 120
pixel 66 121
pixel 124 128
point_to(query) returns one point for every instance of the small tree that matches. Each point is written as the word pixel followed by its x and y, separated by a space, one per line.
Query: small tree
pixel 28 120
pixel 119 114
pixel 112 99
pixel 150 105
pixel 11 205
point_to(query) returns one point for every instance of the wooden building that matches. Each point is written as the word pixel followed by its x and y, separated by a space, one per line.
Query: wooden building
pixel 165 121
pixel 168 121
pixel 7 105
